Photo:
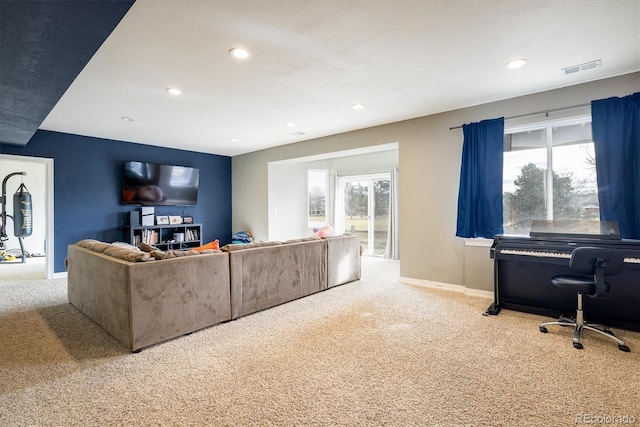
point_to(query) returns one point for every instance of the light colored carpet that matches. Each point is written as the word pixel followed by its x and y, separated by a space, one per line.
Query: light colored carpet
pixel 373 352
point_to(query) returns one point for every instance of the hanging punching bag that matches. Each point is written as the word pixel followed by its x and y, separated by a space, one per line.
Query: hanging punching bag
pixel 22 224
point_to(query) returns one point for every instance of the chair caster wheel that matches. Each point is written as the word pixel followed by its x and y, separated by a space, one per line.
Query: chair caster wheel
pixel 624 348
pixel 543 329
pixel 578 345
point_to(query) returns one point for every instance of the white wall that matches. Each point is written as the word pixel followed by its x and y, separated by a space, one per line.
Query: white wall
pixel 35 181
pixel 429 163
pixel 287 201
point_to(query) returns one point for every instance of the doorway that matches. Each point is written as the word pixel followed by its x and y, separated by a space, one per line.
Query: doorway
pixel 363 209
pixel 39 181
pixel 288 195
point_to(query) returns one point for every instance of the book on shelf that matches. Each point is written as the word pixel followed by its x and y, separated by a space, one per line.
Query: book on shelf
pixel 149 237
pixel 192 234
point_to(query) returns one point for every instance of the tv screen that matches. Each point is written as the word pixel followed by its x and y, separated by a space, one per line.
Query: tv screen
pixel 151 184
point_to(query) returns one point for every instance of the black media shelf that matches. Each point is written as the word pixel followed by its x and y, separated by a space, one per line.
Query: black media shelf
pixel 165 237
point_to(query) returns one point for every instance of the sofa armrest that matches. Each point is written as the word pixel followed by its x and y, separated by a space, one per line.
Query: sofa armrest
pixel 177 296
pixel 98 286
pixel 144 303
pixel 343 259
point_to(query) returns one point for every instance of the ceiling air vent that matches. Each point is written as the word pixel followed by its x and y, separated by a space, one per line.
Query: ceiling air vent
pixel 582 67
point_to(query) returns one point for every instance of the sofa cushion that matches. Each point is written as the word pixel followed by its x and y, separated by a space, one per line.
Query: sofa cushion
pixel 94 245
pixel 304 239
pixel 120 251
pixel 170 254
pixel 127 254
pixel 242 246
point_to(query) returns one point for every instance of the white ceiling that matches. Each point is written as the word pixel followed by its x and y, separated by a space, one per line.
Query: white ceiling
pixel 312 59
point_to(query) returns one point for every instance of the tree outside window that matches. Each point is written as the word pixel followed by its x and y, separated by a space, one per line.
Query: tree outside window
pixel 549 173
pixel 317 183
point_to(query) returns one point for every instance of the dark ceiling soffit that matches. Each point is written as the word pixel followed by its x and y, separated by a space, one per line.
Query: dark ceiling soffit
pixel 43 47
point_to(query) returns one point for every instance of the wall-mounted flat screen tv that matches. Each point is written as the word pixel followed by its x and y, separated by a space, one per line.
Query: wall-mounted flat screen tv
pixel 150 184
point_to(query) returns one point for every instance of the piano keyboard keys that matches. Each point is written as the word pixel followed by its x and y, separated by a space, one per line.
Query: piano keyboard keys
pixel 553 255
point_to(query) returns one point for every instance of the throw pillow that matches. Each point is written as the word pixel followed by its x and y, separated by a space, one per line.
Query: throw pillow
pixel 325 231
pixel 147 247
pixel 211 245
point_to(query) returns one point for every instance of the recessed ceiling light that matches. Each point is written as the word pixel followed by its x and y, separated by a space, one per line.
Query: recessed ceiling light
pixel 173 91
pixel 358 106
pixel 239 53
pixel 290 124
pixel 126 119
pixel 234 139
pixel 516 63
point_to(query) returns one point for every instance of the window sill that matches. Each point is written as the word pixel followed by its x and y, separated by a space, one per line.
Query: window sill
pixel 479 242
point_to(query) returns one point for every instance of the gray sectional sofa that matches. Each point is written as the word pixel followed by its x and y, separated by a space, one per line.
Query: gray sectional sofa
pixel 143 301
pixel 263 277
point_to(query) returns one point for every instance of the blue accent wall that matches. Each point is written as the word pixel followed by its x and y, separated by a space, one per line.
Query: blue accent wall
pixel 88 186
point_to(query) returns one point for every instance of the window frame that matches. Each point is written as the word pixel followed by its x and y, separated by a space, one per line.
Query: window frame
pixel 311 223
pixel 548 125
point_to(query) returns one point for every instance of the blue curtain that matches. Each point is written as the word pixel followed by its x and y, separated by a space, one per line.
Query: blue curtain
pixel 616 136
pixel 480 195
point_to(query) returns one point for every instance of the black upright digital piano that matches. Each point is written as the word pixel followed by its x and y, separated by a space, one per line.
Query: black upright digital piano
pixel 524 266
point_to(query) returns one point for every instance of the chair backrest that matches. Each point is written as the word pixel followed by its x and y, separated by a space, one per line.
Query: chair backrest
pixel 597 262
pixel 585 260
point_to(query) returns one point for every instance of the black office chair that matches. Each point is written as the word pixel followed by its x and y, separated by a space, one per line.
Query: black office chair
pixel 591 265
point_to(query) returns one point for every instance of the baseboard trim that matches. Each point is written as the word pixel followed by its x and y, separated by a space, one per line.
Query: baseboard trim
pixel 62 275
pixel 447 287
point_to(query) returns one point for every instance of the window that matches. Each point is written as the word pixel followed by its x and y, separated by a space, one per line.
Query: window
pixel 549 173
pixel 317 184
pixel 183 177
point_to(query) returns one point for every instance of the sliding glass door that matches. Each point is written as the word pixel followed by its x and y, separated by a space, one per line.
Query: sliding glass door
pixel 363 209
